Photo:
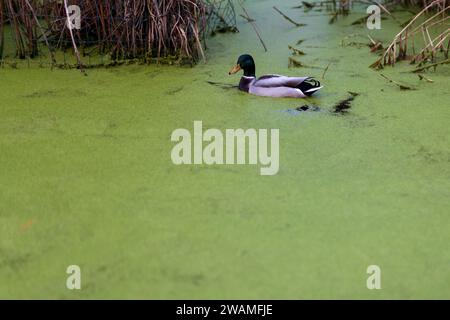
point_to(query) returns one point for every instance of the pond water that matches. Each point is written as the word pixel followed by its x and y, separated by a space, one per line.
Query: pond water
pixel 87 178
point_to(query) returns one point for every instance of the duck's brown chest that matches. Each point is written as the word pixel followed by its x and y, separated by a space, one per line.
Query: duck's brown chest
pixel 244 84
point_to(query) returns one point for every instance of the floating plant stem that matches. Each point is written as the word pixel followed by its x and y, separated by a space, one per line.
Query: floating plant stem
pixel 295 63
pixel 401 86
pixel 447 61
pixel 308 5
pixel 222 85
pixel 325 71
pixel 289 19
pixel 422 77
pixel 296 51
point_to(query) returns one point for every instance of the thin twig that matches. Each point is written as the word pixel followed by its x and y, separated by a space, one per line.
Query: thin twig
pixel 42 31
pixel 77 53
pixel 247 18
pixel 387 11
pixel 252 22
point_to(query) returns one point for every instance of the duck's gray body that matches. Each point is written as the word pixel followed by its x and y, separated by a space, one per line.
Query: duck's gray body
pixel 274 86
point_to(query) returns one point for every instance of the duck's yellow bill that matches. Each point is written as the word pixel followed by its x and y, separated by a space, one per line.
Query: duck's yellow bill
pixel 235 69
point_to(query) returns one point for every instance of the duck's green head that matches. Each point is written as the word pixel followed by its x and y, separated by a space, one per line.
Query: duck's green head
pixel 246 63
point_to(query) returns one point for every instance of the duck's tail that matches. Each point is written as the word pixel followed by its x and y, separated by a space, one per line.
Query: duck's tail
pixel 309 86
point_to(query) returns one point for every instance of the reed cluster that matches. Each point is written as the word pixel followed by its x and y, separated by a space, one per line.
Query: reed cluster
pixel 428 24
pixel 123 29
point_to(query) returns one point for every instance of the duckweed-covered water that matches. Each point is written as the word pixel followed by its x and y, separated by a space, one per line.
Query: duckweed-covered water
pixel 87 179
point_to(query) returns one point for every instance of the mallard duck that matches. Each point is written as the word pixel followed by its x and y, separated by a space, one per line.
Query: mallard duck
pixel 272 85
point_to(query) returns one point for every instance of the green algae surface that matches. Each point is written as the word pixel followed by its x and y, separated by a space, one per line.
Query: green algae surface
pixel 87 179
